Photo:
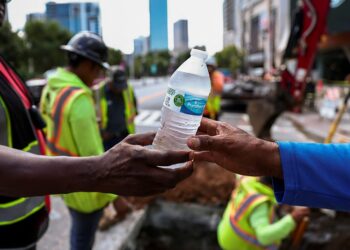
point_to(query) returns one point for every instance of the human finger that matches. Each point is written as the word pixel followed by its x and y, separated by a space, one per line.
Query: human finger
pixel 140 139
pixel 203 143
pixel 203 156
pixel 184 172
pixel 208 126
pixel 165 158
pixel 169 177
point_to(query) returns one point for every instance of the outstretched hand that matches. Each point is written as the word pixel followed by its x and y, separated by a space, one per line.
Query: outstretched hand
pixel 129 168
pixel 235 150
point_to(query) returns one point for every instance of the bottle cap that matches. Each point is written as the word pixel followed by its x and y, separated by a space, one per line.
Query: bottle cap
pixel 199 53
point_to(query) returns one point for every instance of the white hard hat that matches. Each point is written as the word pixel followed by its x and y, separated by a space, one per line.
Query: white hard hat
pixel 211 61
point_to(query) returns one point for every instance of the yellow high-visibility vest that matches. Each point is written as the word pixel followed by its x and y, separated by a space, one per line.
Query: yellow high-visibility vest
pixel 55 105
pixel 129 111
pixel 234 231
pixel 21 208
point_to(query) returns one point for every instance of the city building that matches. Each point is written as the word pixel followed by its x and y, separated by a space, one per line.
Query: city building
pixel 141 45
pixel 75 17
pixel 261 29
pixel 229 22
pixel 180 36
pixel 36 17
pixel 158 10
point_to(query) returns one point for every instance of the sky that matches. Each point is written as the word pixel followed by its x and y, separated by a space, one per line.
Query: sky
pixel 124 20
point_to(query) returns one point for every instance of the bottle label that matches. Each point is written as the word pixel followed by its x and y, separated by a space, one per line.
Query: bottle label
pixel 183 102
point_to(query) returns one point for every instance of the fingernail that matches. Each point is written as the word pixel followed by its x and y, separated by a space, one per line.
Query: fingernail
pixel 194 142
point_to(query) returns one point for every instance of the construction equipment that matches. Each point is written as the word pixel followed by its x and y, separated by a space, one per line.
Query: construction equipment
pixel 287 93
pixel 299 233
pixel 335 124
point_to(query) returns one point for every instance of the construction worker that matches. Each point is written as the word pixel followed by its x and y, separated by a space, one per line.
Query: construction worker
pixel 131 167
pixel 249 221
pixel 305 174
pixel 213 107
pixel 23 220
pixel 67 105
pixel 118 108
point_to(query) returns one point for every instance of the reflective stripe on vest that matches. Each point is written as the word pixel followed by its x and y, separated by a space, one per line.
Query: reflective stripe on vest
pixel 5 127
pixel 130 112
pixel 240 211
pixel 33 148
pixel 58 108
pixel 248 237
pixel 245 205
pixel 20 209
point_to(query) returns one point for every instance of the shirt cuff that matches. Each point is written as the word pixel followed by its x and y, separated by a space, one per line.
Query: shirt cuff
pixel 285 190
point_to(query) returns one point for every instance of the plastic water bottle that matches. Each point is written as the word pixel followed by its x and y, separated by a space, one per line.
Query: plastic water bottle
pixel 184 103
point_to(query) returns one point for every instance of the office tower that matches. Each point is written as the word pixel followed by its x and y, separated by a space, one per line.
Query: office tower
pixel 181 36
pixel 158 25
pixel 75 17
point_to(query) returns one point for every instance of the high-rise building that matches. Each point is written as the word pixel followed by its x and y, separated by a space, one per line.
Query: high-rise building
pixel 36 17
pixel 75 17
pixel 181 36
pixel 141 45
pixel 229 22
pixel 158 10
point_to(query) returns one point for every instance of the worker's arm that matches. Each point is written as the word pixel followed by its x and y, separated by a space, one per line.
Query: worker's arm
pixel 315 175
pixel 269 233
pixel 306 174
pixel 129 168
pixel 83 124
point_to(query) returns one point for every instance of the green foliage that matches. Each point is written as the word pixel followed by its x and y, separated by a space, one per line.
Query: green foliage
pixel 115 57
pixel 43 41
pixel 230 57
pixel 181 58
pixel 12 48
pixel 138 66
pixel 152 64
pixel 162 60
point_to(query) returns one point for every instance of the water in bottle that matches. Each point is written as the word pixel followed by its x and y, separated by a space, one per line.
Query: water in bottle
pixel 184 103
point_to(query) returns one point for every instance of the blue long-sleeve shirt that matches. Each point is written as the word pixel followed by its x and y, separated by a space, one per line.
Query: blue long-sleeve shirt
pixel 315 175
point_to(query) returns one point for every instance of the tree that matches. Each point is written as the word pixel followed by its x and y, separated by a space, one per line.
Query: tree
pixel 230 57
pixel 13 48
pixel 163 58
pixel 115 57
pixel 180 59
pixel 43 40
pixel 138 67
pixel 154 63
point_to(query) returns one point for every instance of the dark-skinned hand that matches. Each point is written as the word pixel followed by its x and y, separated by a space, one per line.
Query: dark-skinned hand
pixel 235 150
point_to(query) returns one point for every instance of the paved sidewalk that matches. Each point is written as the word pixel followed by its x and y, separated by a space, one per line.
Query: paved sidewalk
pixel 316 128
pixel 117 237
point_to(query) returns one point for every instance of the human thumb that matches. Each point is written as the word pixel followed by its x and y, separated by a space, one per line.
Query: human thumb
pixel 201 143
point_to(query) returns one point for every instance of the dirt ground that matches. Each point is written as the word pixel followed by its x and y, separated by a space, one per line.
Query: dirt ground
pixel 209 184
